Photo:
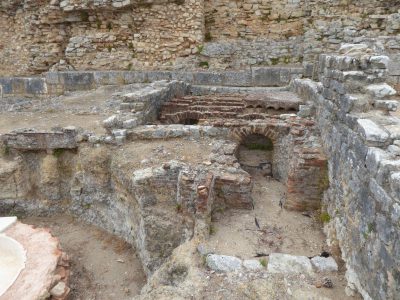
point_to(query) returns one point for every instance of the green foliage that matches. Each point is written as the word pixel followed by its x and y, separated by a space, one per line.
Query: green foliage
pixel 325 217
pixel 130 45
pixel 84 16
pixel 204 64
pixel 207 37
pixel 204 258
pixel 6 150
pixel 109 47
pixel 87 206
pixel 220 210
pixel 263 262
pixel 129 67
pixel 58 152
pixel 274 61
pixel 178 207
pixel 109 26
pixel 286 60
pixel 371 227
pixel 200 48
pixel 98 23
pixel 212 230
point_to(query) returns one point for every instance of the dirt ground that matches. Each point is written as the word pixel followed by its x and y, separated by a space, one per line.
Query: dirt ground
pixel 280 230
pixel 103 266
pixel 235 233
pixel 86 109
pixel 149 153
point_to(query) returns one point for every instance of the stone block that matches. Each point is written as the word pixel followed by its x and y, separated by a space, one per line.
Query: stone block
pixel 223 263
pixel 237 78
pixel 379 61
pixel 109 78
pixel 395 185
pixel 252 264
pixel 267 77
pixel 287 264
pixel 380 195
pixel 324 264
pixel 33 141
pixel 207 78
pixel 77 81
pixel 380 90
pixel 374 158
pixel 153 76
pixel 387 105
pixel 135 77
pixel 373 134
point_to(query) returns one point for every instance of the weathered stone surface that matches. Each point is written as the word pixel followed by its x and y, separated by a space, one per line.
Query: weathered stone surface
pixel 223 263
pixel 252 264
pixel 285 263
pixel 324 264
pixel 372 132
pixel 362 178
pixel 381 90
pixel 31 140
pixel 44 260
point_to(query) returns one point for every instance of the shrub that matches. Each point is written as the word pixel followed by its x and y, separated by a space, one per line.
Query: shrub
pixel 204 64
pixel 325 217
pixel 263 262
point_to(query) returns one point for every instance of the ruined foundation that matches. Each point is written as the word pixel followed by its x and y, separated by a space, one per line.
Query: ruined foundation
pixel 239 150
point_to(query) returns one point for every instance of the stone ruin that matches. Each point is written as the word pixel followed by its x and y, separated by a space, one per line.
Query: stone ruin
pixel 210 102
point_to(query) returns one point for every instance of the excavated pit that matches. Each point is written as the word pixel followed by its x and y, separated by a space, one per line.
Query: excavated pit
pixel 169 180
pixel 227 166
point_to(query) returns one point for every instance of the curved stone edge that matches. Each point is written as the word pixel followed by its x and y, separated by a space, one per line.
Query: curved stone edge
pixel 46 274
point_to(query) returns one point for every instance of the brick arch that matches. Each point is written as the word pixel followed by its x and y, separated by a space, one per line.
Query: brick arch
pixel 271 132
pixel 179 117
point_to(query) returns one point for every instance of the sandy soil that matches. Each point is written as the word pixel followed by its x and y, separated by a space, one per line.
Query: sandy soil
pixel 142 153
pixel 280 230
pixel 103 266
pixel 46 121
pixel 236 234
pixel 84 109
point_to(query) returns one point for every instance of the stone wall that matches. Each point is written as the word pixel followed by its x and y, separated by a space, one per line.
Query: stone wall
pixel 352 109
pixel 131 35
pixel 248 32
pixel 90 35
pixel 56 83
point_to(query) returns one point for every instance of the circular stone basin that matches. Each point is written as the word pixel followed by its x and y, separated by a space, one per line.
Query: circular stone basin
pixel 12 261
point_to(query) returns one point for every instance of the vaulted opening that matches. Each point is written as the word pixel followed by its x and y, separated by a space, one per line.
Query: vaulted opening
pixel 189 121
pixel 255 155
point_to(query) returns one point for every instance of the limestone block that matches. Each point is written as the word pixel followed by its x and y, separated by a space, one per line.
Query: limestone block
pixel 379 62
pixel 252 264
pixel 31 140
pixel 223 263
pixel 372 133
pixel 285 263
pixel 388 105
pixel 324 264
pixel 380 90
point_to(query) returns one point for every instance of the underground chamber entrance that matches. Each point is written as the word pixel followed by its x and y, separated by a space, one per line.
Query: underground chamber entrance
pixel 255 154
pixel 189 121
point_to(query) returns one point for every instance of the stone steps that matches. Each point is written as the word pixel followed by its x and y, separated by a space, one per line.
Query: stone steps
pixel 228 106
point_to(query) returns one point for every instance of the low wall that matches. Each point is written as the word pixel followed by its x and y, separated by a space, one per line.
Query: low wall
pixel 55 83
pixel 361 142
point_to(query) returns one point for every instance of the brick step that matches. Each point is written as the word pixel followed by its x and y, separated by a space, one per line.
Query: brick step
pixel 171 109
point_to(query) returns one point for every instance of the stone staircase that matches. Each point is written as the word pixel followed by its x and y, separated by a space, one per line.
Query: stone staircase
pixel 193 109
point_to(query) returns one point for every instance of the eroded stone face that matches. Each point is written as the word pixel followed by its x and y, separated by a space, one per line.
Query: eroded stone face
pixel 361 162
